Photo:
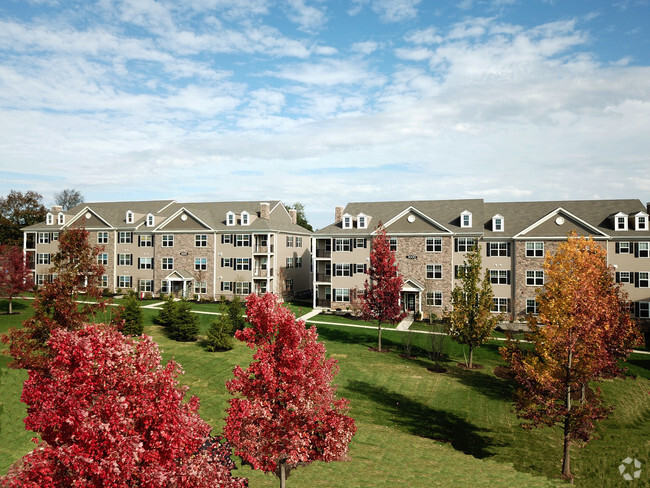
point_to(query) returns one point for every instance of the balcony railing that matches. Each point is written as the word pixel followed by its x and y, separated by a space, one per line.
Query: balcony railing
pixel 324 278
pixel 323 302
pixel 323 253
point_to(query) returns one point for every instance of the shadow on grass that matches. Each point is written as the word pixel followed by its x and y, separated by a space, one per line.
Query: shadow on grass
pixel 424 421
pixel 484 382
pixel 17 305
pixel 638 367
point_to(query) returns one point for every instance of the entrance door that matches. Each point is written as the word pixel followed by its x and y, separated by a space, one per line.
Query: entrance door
pixel 177 288
pixel 409 302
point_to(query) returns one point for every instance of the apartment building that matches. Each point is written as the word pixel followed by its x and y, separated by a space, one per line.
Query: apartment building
pixel 431 239
pixel 204 249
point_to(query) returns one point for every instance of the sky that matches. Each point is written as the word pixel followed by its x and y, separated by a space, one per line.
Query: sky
pixel 325 102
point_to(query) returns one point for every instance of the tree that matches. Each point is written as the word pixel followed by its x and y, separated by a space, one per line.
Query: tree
pixel 109 414
pixel 17 211
pixel 236 314
pixel 68 198
pixel 129 317
pixel 185 323
pixel 582 330
pixel 57 304
pixel 301 219
pixel 165 315
pixel 286 413
pixel 219 336
pixel 471 320
pixel 15 275
pixel 381 298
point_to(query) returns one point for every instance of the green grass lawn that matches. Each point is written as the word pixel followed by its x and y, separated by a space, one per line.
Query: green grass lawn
pixel 339 319
pixel 415 428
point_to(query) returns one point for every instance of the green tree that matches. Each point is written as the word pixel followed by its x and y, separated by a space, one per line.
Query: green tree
pixel 165 316
pixel 130 315
pixel 220 335
pixel 236 314
pixel 471 319
pixel 17 211
pixel 185 324
pixel 301 219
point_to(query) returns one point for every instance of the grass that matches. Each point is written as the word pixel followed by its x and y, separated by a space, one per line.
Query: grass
pixel 339 319
pixel 415 428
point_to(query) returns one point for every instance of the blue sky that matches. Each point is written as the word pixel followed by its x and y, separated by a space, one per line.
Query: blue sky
pixel 325 102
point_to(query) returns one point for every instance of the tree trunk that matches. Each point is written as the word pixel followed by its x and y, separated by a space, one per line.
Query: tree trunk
pixel 379 337
pixel 566 460
pixel 471 354
pixel 10 309
pixel 283 476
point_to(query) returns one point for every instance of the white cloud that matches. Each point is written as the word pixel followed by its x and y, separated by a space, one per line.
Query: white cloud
pixel 307 17
pixel 388 10
pixel 364 47
pixel 329 72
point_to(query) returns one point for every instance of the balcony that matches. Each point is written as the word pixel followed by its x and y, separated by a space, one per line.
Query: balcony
pixel 324 253
pixel 323 302
pixel 260 273
pixel 323 278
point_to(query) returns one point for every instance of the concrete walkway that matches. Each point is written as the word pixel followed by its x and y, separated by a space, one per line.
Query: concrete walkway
pixel 406 323
pixel 309 315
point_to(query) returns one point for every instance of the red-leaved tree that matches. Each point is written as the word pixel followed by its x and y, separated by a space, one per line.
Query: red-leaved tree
pixel 77 274
pixel 582 331
pixel 381 298
pixel 110 415
pixel 15 275
pixel 285 413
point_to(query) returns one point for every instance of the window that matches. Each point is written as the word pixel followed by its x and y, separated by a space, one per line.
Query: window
pixel 341 294
pixel 531 306
pixel 459 271
pixel 43 237
pixel 347 221
pixel 145 241
pixel 167 263
pixel 200 264
pixel 641 222
pixel 125 237
pixel 102 259
pixel 360 268
pixel 55 236
pixel 534 278
pixel 289 241
pixel 124 259
pixel 623 247
pixel 466 219
pixel 150 220
pixel 342 245
pixel 226 238
pixel 242 288
pixel 145 263
pixel 497 223
pixel 498 249
pixel 643 279
pixel 168 240
pixel 434 298
pixel 298 262
pixel 644 310
pixel 500 305
pixel 534 249
pixel 49 219
pixel 200 287
pixel 500 276
pixel 620 221
pixel 201 240
pixel 342 269
pixel 298 241
pixel 43 278
pixel 434 244
pixel 643 249
pixel 164 287
pixel 43 258
pixel 288 284
pixel 289 262
pixel 226 262
pixel 129 217
pixel 102 237
pixel 61 218
pixel 230 218
pixel 362 221
pixel 393 243
pixel 243 264
pixel 226 286
pixel 624 277
pixel 243 240
pixel 103 281
pixel 434 271
pixel 124 281
pixel 245 218
pixel 360 242
pixel 145 286
pixel 464 244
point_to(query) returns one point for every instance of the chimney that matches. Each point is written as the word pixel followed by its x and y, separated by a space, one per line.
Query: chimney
pixel 56 209
pixel 338 214
pixel 294 215
pixel 647 208
pixel 265 210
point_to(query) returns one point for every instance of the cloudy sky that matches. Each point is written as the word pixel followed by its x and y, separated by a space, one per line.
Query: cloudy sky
pixel 325 102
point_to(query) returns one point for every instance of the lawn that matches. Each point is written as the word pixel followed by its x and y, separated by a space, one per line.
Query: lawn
pixel 415 428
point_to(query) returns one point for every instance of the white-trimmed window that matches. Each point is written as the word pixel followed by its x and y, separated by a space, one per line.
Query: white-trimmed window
pixel 200 264
pixel 623 247
pixel 341 294
pixel 620 221
pixel 102 237
pixel 298 241
pixel 124 281
pixel 434 298
pixel 500 276
pixel 125 237
pixel 167 263
pixel 103 281
pixel 466 219
pixel 43 258
pixel 124 259
pixel 200 240
pixel 347 221
pixel 168 240
pixel 145 263
pixel 501 249
pixel 226 286
pixel 434 244
pixel 164 287
pixel 129 217
pixel 643 249
pixel 360 268
pixel 360 242
pixel 497 223
pixel 464 244
pixel 393 244
pixel 61 218
pixel 288 284
pixel 342 244
pixel 243 264
pixel 150 222
pixel 643 279
pixel 242 240
pixel 55 236
pixel 49 219
pixel 226 262
pixel 145 286
pixel 43 237
pixel 500 305
pixel 102 259
pixel 534 278
pixel 641 221
pixel 245 218
pixel 200 287
pixel 342 269
pixel 289 241
pixel 226 238
pixel 298 262
pixel 534 249
pixel 531 306
pixel 230 218
pixel 145 240
pixel 623 277
pixel 460 271
pixel 434 271
pixel 644 310
pixel 362 221
pixel 242 288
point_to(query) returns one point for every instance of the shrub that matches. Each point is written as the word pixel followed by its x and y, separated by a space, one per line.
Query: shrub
pixel 235 314
pixel 164 317
pixel 184 324
pixel 219 335
pixel 131 314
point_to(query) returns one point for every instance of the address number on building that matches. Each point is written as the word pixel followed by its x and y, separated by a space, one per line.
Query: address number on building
pixel 411 256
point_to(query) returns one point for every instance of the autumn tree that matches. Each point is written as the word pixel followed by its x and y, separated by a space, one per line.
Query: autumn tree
pixel 381 300
pixel 18 210
pixel 68 198
pixel 285 413
pixel 471 320
pixel 15 275
pixel 57 304
pixel 582 330
pixel 110 414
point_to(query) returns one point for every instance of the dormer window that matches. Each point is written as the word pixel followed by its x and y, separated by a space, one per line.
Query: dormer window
pixel 49 219
pixel 362 221
pixel 129 217
pixel 347 221
pixel 497 223
pixel 61 218
pixel 150 220
pixel 620 221
pixel 466 219
pixel 230 218
pixel 245 218
pixel 641 221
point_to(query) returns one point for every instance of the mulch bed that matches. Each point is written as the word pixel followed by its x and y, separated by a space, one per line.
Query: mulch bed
pixel 437 369
pixel 474 366
pixel 374 349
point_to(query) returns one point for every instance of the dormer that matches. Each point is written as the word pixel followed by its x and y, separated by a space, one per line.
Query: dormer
pixel 49 218
pixel 61 218
pixel 620 221
pixel 230 218
pixel 245 218
pixel 347 221
pixel 498 223
pixel 150 220
pixel 466 219
pixel 641 221
pixel 362 221
pixel 129 217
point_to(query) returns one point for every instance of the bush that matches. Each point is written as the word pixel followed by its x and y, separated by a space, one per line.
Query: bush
pixel 164 317
pixel 185 324
pixel 219 335
pixel 236 314
pixel 131 314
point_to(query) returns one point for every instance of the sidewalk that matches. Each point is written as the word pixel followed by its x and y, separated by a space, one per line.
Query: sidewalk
pixel 406 323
